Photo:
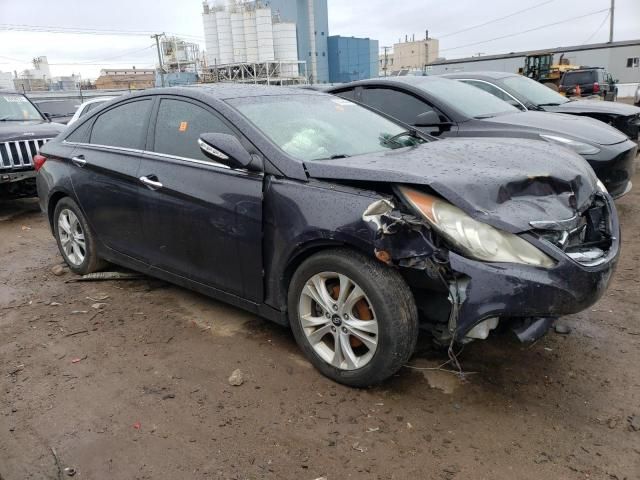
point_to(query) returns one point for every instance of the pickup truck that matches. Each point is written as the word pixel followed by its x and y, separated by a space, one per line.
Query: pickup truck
pixel 23 130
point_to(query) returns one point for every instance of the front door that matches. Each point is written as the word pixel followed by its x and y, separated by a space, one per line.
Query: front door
pixel 104 171
pixel 202 220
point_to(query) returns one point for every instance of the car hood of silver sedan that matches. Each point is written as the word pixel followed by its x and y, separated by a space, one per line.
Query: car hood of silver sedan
pixel 506 183
pixel 594 106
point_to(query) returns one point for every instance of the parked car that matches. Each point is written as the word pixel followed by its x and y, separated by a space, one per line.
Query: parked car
pixel 636 98
pixel 87 106
pixel 448 108
pixel 594 82
pixel 23 130
pixel 526 94
pixel 60 110
pixel 322 215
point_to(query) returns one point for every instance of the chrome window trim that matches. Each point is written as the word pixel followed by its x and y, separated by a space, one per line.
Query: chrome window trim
pixel 495 86
pixel 157 154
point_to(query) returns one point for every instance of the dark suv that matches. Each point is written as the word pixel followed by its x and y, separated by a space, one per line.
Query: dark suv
pixel 592 81
pixel 23 130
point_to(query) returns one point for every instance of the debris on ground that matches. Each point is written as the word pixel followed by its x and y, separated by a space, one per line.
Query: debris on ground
pixel 562 328
pixel 106 276
pixel 98 305
pixel 137 425
pixel 58 270
pixel 634 423
pixel 237 378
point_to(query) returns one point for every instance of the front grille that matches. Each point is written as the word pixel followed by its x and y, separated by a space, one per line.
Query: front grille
pixel 19 154
pixel 589 240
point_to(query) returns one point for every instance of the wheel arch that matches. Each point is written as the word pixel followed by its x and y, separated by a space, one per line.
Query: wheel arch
pixel 54 198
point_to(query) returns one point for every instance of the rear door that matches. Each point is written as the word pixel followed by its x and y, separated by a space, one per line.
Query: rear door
pixel 105 163
pixel 202 219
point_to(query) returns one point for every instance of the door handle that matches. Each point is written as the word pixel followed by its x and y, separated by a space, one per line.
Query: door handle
pixel 151 184
pixel 79 161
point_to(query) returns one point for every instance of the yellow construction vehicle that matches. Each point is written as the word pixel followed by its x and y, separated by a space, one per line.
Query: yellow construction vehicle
pixel 540 67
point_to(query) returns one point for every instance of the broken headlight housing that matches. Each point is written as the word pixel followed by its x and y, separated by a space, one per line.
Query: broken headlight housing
pixel 473 238
pixel 578 147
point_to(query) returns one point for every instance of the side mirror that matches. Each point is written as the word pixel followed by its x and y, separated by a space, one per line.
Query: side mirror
pixel 224 148
pixel 427 119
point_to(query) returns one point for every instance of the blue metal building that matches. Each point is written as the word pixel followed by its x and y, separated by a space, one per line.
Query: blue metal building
pixel 298 11
pixel 352 58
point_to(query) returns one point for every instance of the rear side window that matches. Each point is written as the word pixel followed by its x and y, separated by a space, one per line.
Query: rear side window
pixel 574 78
pixel 80 134
pixel 123 126
pixel 400 105
pixel 179 125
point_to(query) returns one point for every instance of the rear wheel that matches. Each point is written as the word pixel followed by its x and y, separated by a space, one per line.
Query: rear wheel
pixel 76 241
pixel 353 317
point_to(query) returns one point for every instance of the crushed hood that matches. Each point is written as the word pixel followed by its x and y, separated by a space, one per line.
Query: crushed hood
pixel 503 182
pixel 594 106
pixel 580 128
pixel 14 131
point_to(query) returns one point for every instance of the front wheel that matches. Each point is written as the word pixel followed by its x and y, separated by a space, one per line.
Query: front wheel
pixel 353 317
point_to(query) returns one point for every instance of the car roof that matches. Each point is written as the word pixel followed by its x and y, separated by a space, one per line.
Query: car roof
pixel 412 80
pixel 224 91
pixel 481 75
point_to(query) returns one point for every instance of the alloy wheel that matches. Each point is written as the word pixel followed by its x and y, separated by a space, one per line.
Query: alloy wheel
pixel 71 237
pixel 338 320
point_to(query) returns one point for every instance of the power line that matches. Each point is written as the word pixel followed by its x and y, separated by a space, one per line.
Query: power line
pixel 84 31
pixel 598 29
pixel 525 31
pixel 497 19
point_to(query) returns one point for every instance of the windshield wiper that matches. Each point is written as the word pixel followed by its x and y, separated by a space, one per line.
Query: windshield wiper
pixel 487 115
pixel 551 104
pixel 9 119
pixel 340 155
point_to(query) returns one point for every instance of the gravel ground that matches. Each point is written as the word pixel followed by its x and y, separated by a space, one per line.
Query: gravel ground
pixel 139 389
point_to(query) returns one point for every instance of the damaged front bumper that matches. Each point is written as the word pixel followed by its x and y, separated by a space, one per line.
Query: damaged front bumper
pixel 482 294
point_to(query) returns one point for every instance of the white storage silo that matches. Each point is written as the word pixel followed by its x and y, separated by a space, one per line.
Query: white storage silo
pixel 285 46
pixel 250 36
pixel 225 41
pixel 211 38
pixel 264 29
pixel 237 33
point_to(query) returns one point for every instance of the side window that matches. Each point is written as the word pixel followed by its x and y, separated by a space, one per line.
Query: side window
pixel 495 91
pixel 400 105
pixel 179 125
pixel 80 134
pixel 123 126
pixel 348 94
pixel 88 108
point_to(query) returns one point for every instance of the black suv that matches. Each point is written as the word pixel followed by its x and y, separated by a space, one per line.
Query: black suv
pixel 23 130
pixel 592 81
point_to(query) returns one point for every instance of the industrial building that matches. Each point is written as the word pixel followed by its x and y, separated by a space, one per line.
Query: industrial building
pixel 6 81
pixel 411 54
pixel 352 58
pixel 125 78
pixel 251 40
pixel 620 59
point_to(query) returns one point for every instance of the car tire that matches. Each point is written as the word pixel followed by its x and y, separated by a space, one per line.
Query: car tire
pixel 76 241
pixel 383 298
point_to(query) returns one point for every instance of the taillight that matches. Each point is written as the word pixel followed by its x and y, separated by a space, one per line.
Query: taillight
pixel 596 87
pixel 38 161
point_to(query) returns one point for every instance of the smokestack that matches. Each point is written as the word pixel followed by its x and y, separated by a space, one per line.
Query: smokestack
pixel 312 42
pixel 413 39
pixel 406 38
pixel 426 35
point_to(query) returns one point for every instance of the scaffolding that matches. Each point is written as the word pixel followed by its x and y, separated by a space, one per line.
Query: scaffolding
pixel 276 72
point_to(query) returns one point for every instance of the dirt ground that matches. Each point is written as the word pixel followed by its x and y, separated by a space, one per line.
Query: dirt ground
pixel 138 389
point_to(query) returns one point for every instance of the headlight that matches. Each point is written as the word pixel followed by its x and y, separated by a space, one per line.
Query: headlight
pixel 578 147
pixel 472 238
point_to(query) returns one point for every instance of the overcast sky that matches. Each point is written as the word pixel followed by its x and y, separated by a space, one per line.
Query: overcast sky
pixel 384 20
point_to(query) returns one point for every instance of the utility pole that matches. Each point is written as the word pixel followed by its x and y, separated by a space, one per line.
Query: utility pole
pixel 611 14
pixel 386 60
pixel 157 37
